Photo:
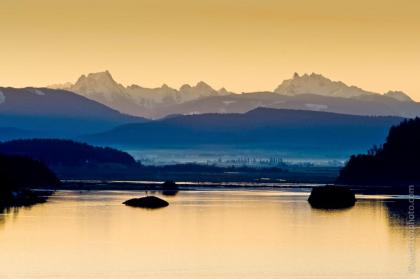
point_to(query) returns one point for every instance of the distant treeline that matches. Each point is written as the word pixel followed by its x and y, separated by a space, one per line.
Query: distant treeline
pixel 396 163
pixel 65 152
pixel 71 160
pixel 193 167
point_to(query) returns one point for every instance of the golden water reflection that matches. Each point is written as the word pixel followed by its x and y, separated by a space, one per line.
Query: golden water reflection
pixel 213 234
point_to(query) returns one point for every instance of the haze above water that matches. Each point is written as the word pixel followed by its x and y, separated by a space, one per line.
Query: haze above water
pixel 229 156
pixel 216 234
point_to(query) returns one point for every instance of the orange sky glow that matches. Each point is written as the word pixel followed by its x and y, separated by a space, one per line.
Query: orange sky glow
pixel 243 45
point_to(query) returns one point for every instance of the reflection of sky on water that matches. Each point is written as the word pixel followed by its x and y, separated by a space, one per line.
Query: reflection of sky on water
pixel 202 234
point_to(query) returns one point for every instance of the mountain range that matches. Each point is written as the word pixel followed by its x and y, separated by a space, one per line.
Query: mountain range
pixel 135 99
pixel 303 92
pixel 299 123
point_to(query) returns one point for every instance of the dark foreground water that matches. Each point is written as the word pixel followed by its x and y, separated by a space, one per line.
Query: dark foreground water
pixel 211 234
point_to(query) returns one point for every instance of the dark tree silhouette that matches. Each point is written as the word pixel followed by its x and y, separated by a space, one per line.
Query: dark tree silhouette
pixel 55 152
pixel 396 163
pixel 17 175
pixel 19 172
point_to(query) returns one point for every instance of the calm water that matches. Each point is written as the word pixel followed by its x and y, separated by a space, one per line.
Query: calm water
pixel 213 234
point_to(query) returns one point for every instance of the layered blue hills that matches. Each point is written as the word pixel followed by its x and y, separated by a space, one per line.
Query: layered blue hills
pixel 262 128
pixel 42 112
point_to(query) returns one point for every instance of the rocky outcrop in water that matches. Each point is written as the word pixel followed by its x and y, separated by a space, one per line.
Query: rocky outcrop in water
pixel 169 188
pixel 151 202
pixel 331 197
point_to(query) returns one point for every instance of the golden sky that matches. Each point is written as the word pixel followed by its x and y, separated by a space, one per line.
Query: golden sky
pixel 243 45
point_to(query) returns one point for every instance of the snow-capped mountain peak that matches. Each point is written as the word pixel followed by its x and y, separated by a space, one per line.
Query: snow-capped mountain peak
pixel 399 95
pixel 132 99
pixel 165 86
pixel 318 85
pixel 201 89
pixel 99 86
pixel 204 86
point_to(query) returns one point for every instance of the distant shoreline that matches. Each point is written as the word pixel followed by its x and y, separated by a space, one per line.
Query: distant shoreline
pixel 97 185
pixel 182 186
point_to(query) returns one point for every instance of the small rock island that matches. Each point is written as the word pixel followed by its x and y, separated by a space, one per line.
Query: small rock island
pixel 331 197
pixel 169 188
pixel 150 202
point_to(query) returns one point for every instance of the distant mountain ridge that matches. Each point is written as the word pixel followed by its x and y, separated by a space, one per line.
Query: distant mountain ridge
pixel 304 132
pixel 56 152
pixel 51 112
pixel 300 92
pixel 374 104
